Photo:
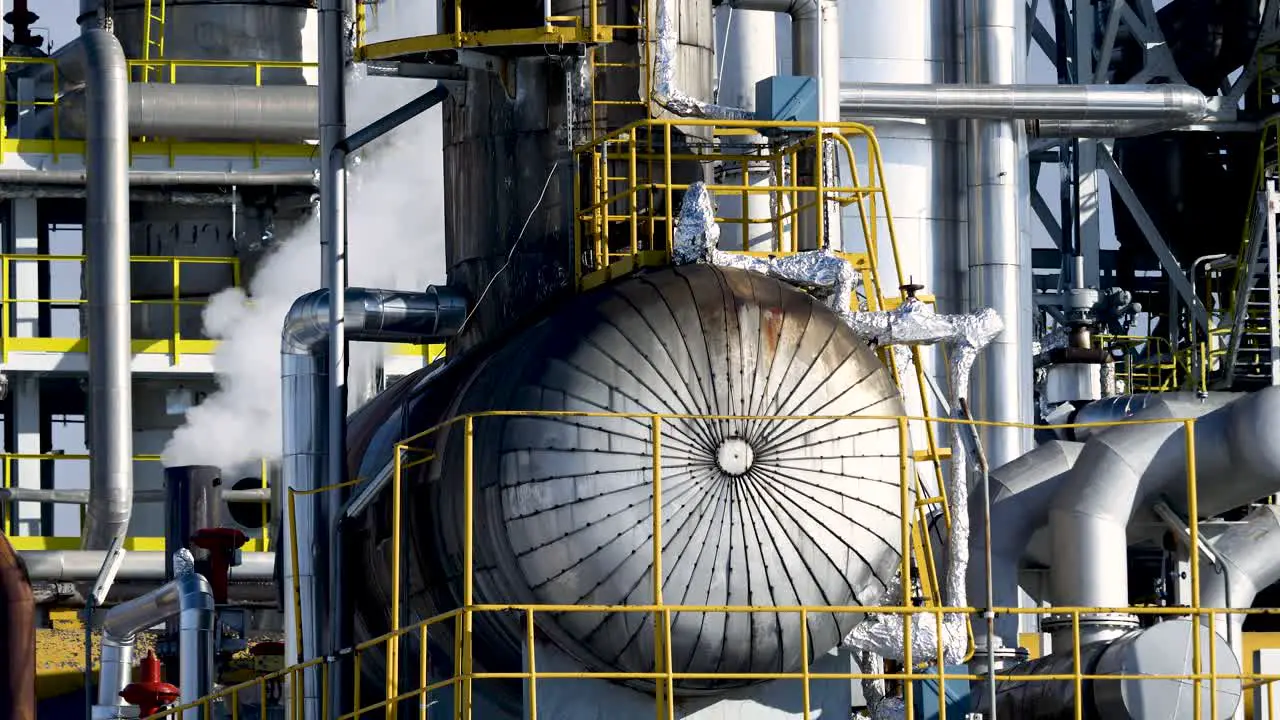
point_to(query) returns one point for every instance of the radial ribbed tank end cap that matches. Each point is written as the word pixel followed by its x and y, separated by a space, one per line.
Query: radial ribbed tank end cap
pixel 735 456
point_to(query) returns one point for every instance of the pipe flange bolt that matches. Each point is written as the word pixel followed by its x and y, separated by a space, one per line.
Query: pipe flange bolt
pixel 1062 622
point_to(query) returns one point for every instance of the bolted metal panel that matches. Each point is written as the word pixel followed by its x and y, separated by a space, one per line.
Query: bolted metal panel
pixel 758 513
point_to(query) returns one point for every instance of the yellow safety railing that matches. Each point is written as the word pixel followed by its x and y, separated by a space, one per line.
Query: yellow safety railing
pixel 1147 364
pixel 174 345
pixel 406 644
pixel 259 540
pixel 254 72
pixel 585 28
pixel 629 184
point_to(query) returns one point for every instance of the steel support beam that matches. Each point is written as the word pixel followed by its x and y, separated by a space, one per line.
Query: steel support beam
pixel 1177 280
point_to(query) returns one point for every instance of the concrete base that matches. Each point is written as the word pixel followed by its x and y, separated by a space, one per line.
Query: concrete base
pixel 574 699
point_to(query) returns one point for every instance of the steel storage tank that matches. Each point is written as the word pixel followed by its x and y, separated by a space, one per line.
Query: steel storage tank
pixel 508 138
pixel 755 512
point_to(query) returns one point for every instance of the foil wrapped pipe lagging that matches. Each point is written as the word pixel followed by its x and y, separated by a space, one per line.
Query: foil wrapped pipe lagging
pixel 913 323
pixel 666 92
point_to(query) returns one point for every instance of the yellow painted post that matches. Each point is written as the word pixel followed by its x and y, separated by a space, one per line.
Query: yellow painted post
pixel 1077 671
pixel 804 660
pixel 634 192
pixel 577 227
pixel 393 642
pixel 468 559
pixel 533 667
pixel 176 265
pixel 293 556
pixel 1193 521
pixel 659 628
pixel 904 490
pixel 820 210
pixel 5 302
pixel 667 181
pixel 424 663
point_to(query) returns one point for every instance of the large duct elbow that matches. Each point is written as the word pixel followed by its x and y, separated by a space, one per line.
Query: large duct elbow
pixel 1248 557
pixel 1021 493
pixel 1172 105
pixel 1123 470
pixel 209 112
pixel 106 231
pixel 187 597
pixel 370 315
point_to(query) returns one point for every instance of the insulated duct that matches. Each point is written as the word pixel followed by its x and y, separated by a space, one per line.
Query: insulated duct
pixel 279 113
pixel 1248 555
pixel 1064 104
pixel 106 231
pixel 371 316
pixel 1021 492
pixel 138 566
pixel 17 638
pixel 188 598
pixel 1124 469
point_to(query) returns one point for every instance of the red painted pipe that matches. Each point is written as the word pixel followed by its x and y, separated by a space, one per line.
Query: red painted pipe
pixel 17 637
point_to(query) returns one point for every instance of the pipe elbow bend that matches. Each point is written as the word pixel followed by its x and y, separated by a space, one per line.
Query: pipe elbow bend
pixel 1251 431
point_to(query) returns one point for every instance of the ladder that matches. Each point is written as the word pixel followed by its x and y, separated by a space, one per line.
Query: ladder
pixel 1253 355
pixel 153 37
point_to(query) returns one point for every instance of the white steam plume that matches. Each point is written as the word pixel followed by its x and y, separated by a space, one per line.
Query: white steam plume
pixel 396 236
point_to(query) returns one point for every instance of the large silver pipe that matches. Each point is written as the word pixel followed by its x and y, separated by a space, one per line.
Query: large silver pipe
pixel 1021 492
pixel 81 497
pixel 1249 555
pixel 999 246
pixel 188 598
pixel 369 315
pixel 1098 128
pixel 71 566
pixel 1121 472
pixel 279 113
pixel 106 230
pixel 252 178
pixel 1178 104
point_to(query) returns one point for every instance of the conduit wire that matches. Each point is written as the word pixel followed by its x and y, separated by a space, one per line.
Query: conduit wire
pixel 511 253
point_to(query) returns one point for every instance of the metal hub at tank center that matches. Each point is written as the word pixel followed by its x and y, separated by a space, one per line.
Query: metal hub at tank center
pixel 735 456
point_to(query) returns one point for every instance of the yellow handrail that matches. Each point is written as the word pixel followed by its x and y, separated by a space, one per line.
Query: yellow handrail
pixel 664 675
pixel 163 70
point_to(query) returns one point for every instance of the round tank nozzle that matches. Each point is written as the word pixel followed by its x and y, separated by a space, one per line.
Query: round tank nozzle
pixel 735 456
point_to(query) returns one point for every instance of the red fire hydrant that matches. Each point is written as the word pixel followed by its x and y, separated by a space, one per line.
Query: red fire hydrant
pixel 223 545
pixel 150 694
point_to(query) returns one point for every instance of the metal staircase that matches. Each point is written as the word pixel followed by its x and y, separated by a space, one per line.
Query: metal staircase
pixel 1253 353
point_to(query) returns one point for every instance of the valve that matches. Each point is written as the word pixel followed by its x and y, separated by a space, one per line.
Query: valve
pixel 150 693
pixel 224 546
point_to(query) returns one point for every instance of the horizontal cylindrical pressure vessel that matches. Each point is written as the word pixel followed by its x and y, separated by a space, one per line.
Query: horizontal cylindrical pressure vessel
pixel 759 512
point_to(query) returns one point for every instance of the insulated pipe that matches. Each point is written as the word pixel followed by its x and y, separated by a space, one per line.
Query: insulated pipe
pixel 81 497
pixel 71 566
pixel 253 178
pixel 999 243
pixel 1021 492
pixel 17 638
pixel 106 230
pixel 1176 104
pixel 424 71
pixel 1098 128
pixel 369 315
pixel 815 52
pixel 1124 469
pixel 278 113
pixel 189 598
pixel 1250 555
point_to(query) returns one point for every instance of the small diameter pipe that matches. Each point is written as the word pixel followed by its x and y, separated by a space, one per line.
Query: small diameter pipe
pixel 189 598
